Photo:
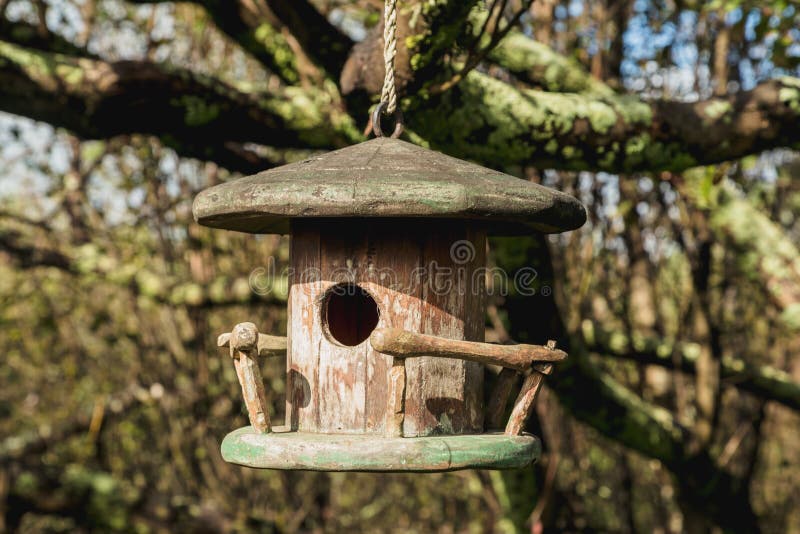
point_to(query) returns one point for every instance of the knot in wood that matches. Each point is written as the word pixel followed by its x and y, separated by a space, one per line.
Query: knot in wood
pixel 244 337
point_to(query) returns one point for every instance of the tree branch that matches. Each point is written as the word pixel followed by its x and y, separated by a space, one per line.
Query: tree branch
pixel 196 115
pixel 481 118
pixel 427 33
pixel 543 68
pixel 488 120
pixel 765 253
pixel 322 41
pixel 30 443
pixel 254 26
pixel 28 35
pixel 598 400
pixel 616 412
pixel 28 256
pixel 767 383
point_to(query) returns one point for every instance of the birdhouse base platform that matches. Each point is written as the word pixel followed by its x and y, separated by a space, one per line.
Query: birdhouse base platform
pixel 284 449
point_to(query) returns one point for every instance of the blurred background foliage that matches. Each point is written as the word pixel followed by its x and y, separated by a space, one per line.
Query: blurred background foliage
pixel 679 300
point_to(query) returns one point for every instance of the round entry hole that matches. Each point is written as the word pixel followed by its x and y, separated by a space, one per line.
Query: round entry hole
pixel 349 313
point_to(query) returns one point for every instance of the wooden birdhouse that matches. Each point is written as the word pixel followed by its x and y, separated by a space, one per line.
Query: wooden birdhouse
pixel 384 349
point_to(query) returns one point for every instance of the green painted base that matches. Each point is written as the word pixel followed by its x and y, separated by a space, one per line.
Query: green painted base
pixel 282 449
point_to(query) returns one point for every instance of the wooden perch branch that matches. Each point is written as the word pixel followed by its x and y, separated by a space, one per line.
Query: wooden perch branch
pixel 534 359
pixel 523 407
pixel 403 344
pixel 268 346
pixel 245 346
pixel 395 411
pixel 524 403
pixel 499 398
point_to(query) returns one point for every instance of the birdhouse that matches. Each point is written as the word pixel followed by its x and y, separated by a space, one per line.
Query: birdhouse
pixel 385 349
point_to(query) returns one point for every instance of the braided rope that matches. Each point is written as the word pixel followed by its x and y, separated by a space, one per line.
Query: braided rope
pixel 388 92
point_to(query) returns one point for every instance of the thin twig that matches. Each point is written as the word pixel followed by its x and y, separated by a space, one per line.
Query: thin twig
pixel 474 58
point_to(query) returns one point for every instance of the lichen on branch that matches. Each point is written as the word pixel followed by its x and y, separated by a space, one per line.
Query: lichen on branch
pixel 197 115
pixel 542 67
pixel 491 121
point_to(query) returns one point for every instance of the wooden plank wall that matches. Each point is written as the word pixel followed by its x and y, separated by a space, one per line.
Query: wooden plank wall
pixel 338 389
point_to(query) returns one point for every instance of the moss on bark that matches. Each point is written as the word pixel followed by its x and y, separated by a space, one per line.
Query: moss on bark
pixel 197 115
pixel 491 121
pixel 539 65
pixel 765 253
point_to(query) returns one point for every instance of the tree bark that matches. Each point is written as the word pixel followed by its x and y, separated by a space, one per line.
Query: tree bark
pixel 541 67
pixel 198 116
pixel 481 118
pixel 486 119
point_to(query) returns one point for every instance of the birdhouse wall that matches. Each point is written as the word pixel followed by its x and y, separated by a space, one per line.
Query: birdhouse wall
pixel 425 277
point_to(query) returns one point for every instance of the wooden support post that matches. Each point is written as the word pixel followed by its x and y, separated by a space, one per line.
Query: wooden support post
pixel 499 398
pixel 404 344
pixel 395 411
pixel 244 342
pixel 523 406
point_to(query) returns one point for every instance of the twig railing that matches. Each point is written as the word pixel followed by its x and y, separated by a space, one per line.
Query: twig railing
pixel 532 362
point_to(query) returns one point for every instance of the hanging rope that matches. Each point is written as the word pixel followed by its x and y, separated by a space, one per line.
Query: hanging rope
pixel 388 103
pixel 388 93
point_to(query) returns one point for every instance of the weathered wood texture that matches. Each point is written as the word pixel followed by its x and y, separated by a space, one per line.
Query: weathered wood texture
pixel 243 342
pixel 404 344
pixel 386 178
pixel 395 407
pixel 268 346
pixel 446 396
pixel 498 398
pixel 523 406
pixel 337 452
pixel 343 389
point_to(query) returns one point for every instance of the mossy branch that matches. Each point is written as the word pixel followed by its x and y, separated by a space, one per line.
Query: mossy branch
pixel 427 35
pixel 482 118
pixel 765 253
pixel 198 116
pixel 491 121
pixel 28 35
pixel 34 442
pixel 261 36
pixel 608 406
pixel 767 383
pixel 543 68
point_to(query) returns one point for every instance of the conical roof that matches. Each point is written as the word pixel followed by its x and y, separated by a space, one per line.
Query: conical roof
pixel 386 178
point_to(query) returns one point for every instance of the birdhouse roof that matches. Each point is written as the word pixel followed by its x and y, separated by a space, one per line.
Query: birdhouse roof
pixel 386 178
